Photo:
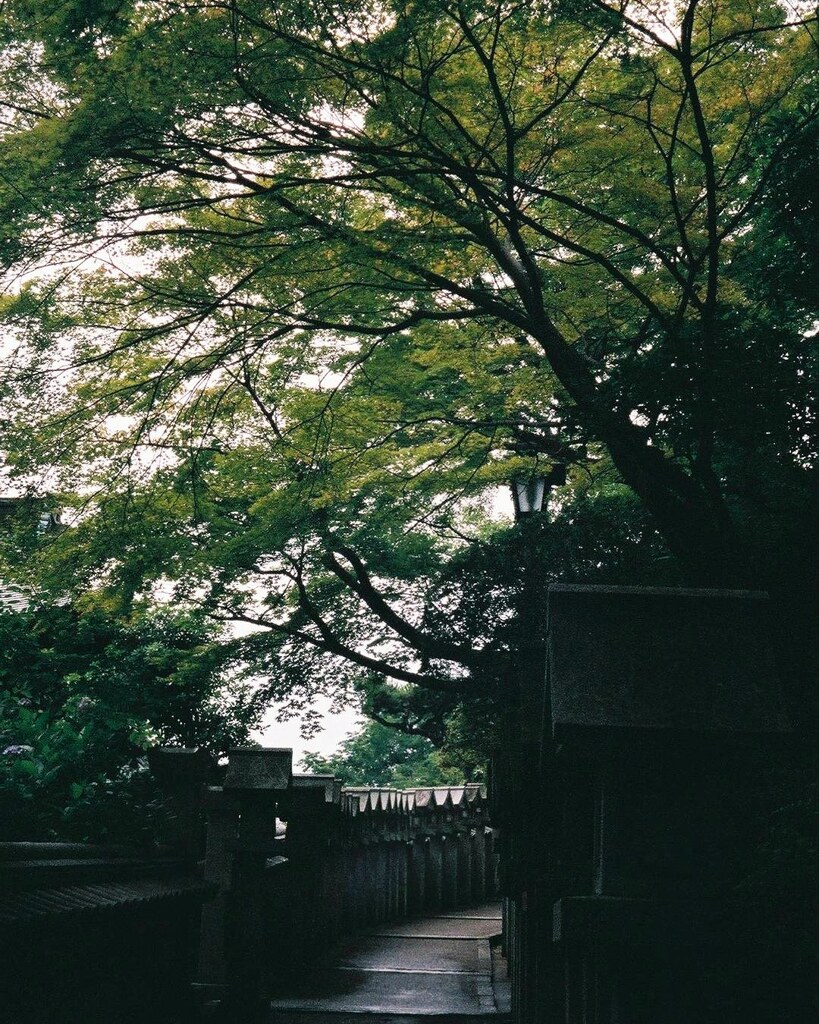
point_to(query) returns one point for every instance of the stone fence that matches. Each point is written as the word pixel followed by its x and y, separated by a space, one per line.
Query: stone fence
pixel 249 883
pixel 647 758
pixel 296 861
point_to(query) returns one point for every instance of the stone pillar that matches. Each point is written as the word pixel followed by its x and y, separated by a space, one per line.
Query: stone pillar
pixel 506 927
pixel 370 882
pixel 435 872
pixel 383 880
pixel 392 881
pixel 450 871
pixel 182 772
pixel 478 841
pixel 332 881
pixel 360 884
pixel 417 852
pixel 492 863
pixel 257 778
pixel 664 725
pixel 313 839
pixel 403 850
pixel 222 811
pixel 247 926
pixel 345 877
pixel 464 887
pixel 375 875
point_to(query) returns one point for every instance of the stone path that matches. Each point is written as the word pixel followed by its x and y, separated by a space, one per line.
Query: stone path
pixel 438 967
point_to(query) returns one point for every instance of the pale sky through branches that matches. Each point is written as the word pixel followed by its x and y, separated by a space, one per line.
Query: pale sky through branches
pixel 337 725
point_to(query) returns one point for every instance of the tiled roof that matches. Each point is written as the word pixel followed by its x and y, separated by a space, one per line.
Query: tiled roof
pixel 37 903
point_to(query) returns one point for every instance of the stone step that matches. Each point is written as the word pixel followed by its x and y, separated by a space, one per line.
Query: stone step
pixel 414 953
pixel 490 911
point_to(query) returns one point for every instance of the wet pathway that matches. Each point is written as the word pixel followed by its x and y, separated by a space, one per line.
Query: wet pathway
pixel 437 967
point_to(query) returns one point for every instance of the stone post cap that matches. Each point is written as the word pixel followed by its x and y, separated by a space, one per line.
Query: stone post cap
pixel 180 764
pixel 259 768
pixel 660 659
pixel 323 786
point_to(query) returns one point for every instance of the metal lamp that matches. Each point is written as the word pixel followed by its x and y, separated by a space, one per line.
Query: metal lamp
pixel 527 494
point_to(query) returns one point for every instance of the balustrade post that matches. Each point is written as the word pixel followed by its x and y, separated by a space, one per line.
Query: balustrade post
pixel 464 886
pixel 435 872
pixel 664 723
pixel 396 853
pixel 478 843
pixel 349 876
pixel 417 882
pixel 450 871
pixel 403 850
pixel 313 836
pixel 181 773
pixel 258 778
pixel 491 857
pixel 383 879
pixel 370 877
pixel 391 886
pixel 222 811
pixel 337 864
pixel 358 883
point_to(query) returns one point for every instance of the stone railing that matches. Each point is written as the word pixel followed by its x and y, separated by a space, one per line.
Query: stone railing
pixel 375 855
pixel 296 861
pixel 249 882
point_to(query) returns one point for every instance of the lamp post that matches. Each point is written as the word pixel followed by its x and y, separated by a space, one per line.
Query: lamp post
pixel 521 843
pixel 530 496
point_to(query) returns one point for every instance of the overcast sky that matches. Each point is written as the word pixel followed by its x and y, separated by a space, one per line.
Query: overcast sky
pixel 337 727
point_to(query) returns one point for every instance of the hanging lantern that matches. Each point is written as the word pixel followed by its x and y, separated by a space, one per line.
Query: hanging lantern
pixel 527 494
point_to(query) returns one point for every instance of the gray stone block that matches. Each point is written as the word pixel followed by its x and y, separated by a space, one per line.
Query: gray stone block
pixel 325 788
pixel 695 661
pixel 180 765
pixel 259 768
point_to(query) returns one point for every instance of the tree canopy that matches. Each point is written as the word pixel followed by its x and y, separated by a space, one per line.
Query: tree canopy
pixel 292 288
pixel 84 694
pixel 380 756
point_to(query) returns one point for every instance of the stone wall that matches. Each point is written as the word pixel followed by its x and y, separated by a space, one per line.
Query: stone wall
pixel 634 818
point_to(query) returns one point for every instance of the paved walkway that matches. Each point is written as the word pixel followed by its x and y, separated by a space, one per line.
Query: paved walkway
pixel 437 967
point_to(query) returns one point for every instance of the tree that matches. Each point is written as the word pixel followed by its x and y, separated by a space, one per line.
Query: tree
pixel 322 276
pixel 380 756
pixel 84 694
